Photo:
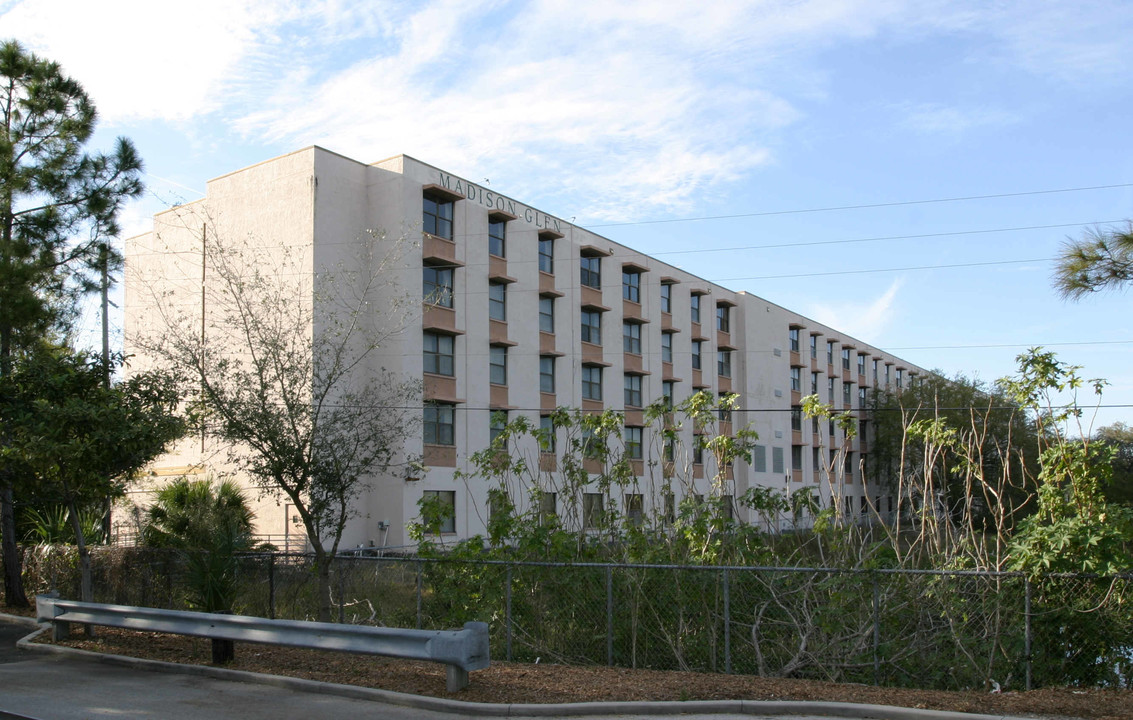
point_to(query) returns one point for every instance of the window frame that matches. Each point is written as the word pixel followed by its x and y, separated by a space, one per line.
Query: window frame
pixel 591 332
pixel 547 255
pixel 497 241
pixel 440 220
pixel 724 318
pixel 448 499
pixel 631 337
pixel 632 394
pixel 724 363
pixel 546 379
pixel 590 271
pixel 592 382
pixel 634 442
pixel 497 306
pixel 435 291
pixel 443 417
pixel 631 285
pixel 436 356
pixel 546 319
pixel 694 308
pixel 497 364
pixel 667 298
pixel 697 354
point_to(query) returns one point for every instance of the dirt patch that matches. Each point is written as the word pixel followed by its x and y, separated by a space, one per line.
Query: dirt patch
pixel 507 682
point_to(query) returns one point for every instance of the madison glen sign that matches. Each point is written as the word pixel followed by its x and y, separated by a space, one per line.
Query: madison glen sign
pixel 492 200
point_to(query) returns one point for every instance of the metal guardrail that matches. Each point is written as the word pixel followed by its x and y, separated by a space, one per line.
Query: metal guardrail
pixel 459 650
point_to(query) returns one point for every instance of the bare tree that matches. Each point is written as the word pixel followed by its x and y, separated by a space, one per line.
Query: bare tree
pixel 285 360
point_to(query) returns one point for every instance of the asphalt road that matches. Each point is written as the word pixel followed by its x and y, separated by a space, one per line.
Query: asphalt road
pixel 50 687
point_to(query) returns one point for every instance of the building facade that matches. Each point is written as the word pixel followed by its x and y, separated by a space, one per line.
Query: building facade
pixel 522 312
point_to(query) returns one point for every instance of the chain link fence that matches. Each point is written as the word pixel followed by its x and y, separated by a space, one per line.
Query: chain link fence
pixel 925 629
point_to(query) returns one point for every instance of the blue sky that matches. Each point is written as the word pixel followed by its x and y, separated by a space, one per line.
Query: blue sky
pixel 651 121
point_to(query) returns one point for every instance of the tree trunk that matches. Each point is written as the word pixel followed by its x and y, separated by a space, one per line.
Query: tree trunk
pixel 13 571
pixel 322 569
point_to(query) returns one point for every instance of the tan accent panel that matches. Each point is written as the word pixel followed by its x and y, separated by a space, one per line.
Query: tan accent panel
pixel 591 353
pixel 796 437
pixel 440 387
pixel 438 248
pixel 723 339
pixel 497 332
pixel 632 363
pixel 634 417
pixel 592 406
pixel 724 383
pixel 797 476
pixel 590 296
pixel 434 317
pixel 796 397
pixel 637 467
pixel 547 401
pixel 440 455
pixel 498 396
pixel 546 343
pixel 594 467
pixel 631 310
pixel 548 462
pixel 547 284
pixel 796 359
pixel 698 378
pixel 666 321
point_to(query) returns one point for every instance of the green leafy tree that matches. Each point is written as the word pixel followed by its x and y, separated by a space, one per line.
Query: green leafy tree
pixel 208 524
pixel 1118 438
pixel 58 203
pixel 75 440
pixel 1101 259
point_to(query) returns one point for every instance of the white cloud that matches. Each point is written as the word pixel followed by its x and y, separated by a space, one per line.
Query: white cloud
pixel 940 119
pixel 865 321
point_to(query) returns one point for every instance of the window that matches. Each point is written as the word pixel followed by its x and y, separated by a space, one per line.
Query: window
pixel 634 445
pixel 831 432
pixel 847 394
pixel 667 393
pixel 666 297
pixel 861 398
pixel 845 358
pixel 830 389
pixel 438 356
pixel 437 217
pixel 593 510
pixel 698 449
pixel 497 365
pixel 445 503
pixel 814 383
pixel 591 382
pixel 497 301
pixel 900 378
pixel 887 374
pixel 829 352
pixel 635 508
pixel 631 338
pixel 814 347
pixel 496 425
pixel 497 237
pixel 547 255
pixel 694 304
pixel 547 374
pixel 591 275
pixel 548 506
pixel 816 459
pixel 436 286
pixel 759 458
pixel 794 339
pixel 439 424
pixel 547 314
pixel 631 285
pixel 633 390
pixel 849 469
pixel 796 419
pixel 723 318
pixel 724 363
pixel 861 364
pixel 696 354
pixel 777 460
pixel 546 434
pixel 875 371
pixel 814 425
pixel 592 327
pixel 667 347
pixel 796 379
pixel 670 508
pixel 797 457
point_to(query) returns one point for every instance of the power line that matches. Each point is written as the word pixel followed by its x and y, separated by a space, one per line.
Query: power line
pixel 901 203
pixel 886 237
pixel 882 270
pixel 1014 345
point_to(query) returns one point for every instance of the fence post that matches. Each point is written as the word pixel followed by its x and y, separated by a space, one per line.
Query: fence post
pixel 876 631
pixel 418 564
pixel 609 614
pixel 727 624
pixel 1027 627
pixel 341 595
pixel 507 612
pixel 271 586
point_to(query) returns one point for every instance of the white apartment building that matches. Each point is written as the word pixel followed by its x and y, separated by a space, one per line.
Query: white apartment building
pixel 521 312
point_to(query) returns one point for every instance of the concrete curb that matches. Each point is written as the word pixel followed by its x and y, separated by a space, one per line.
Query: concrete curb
pixel 471 709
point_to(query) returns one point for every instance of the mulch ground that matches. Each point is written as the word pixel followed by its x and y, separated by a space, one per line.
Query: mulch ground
pixel 507 682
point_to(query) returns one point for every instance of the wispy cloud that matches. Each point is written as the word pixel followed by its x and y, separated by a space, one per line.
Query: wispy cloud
pixel 940 119
pixel 866 321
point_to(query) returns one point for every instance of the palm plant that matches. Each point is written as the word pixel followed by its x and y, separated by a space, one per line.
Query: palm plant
pixel 208 525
